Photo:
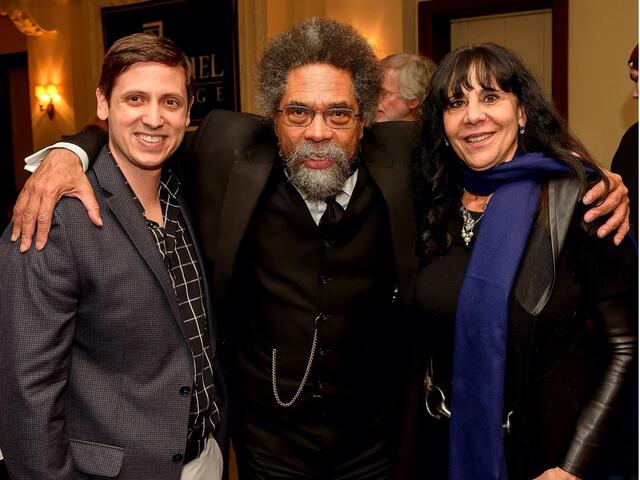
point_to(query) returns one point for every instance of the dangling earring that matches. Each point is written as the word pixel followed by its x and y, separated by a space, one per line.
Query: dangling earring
pixel 521 130
pixel 446 142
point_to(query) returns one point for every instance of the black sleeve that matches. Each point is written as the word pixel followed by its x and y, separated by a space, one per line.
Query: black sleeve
pixel 610 277
pixel 91 139
pixel 182 162
pixel 625 163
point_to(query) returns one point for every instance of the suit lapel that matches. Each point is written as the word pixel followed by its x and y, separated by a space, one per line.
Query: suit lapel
pixel 130 216
pixel 394 184
pixel 246 182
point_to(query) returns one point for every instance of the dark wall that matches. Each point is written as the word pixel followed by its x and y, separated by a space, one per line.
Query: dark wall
pixel 16 139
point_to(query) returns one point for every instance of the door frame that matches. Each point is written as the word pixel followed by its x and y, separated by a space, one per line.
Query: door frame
pixel 434 32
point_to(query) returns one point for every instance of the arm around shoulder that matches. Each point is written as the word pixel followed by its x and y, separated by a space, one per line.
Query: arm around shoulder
pixel 615 205
pixel 60 174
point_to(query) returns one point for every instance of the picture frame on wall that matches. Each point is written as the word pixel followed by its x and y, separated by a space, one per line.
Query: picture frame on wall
pixel 207 33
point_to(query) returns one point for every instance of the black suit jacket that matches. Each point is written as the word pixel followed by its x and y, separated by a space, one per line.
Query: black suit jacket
pixel 226 165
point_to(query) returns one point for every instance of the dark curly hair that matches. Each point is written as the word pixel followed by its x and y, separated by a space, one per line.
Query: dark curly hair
pixel 319 40
pixel 437 170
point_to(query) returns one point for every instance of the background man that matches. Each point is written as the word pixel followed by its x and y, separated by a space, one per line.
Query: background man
pixel 308 228
pixel 309 233
pixel 107 362
pixel 404 82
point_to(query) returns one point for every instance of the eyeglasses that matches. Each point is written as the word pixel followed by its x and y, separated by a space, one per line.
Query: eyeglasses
pixel 300 116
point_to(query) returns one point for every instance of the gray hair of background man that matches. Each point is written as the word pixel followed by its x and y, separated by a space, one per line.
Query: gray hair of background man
pixel 414 73
pixel 320 40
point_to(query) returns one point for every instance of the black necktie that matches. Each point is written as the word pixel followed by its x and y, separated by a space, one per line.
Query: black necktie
pixel 332 214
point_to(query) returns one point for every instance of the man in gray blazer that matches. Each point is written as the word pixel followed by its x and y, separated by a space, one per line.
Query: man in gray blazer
pixel 106 337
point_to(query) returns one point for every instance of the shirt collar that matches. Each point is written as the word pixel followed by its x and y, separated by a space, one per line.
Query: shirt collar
pixel 317 207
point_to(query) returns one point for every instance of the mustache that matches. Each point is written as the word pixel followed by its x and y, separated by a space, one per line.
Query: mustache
pixel 317 151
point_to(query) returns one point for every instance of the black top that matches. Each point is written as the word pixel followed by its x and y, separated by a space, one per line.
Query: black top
pixel 560 354
pixel 625 163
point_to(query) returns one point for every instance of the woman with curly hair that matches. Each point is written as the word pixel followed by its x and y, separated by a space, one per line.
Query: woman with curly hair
pixel 530 319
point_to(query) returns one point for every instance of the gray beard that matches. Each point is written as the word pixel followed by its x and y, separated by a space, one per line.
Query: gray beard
pixel 318 184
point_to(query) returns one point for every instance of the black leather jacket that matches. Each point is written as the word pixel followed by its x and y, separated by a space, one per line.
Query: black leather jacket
pixel 572 344
pixel 616 342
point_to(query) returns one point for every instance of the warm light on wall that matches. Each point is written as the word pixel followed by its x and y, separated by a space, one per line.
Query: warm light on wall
pixel 47 95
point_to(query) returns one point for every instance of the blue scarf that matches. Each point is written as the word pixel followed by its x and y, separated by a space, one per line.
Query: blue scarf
pixel 476 443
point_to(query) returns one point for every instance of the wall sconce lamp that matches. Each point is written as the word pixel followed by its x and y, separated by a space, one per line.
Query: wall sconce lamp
pixel 47 95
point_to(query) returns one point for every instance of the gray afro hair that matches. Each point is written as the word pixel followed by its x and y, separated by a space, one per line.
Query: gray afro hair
pixel 319 40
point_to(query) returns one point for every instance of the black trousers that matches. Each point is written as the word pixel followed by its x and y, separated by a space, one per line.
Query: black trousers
pixel 375 462
pixel 309 445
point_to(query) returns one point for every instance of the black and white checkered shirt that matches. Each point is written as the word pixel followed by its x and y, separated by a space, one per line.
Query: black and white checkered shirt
pixel 179 254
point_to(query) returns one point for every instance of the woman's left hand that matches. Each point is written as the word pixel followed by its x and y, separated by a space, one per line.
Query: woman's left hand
pixel 616 203
pixel 556 474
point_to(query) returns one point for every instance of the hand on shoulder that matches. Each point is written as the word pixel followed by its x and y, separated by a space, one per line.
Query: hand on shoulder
pixel 60 174
pixel 616 204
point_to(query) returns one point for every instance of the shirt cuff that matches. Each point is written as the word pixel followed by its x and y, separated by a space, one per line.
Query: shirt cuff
pixel 33 161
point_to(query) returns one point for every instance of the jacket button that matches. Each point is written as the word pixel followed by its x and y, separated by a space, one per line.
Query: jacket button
pixel 185 390
pixel 178 457
pixel 324 279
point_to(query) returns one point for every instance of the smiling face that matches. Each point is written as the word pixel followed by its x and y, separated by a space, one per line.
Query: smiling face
pixel 391 104
pixel 148 112
pixel 318 157
pixel 482 125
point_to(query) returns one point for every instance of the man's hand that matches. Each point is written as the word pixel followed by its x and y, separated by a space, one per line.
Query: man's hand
pixel 556 474
pixel 59 174
pixel 616 203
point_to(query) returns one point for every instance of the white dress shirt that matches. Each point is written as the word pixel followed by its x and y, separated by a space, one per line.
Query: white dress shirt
pixel 318 207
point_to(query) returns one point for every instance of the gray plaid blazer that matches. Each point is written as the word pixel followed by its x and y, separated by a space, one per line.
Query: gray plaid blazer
pixel 93 359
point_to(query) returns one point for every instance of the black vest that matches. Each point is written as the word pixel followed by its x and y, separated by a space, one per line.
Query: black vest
pixel 288 274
